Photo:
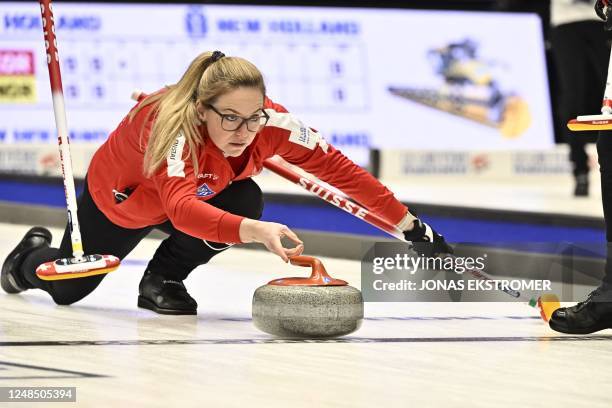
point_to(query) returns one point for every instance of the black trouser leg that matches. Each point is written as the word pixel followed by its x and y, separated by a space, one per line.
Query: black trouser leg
pixel 180 253
pixel 604 151
pixel 581 57
pixel 99 235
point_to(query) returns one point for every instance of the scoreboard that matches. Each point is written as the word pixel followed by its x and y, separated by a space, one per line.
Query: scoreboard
pixel 365 78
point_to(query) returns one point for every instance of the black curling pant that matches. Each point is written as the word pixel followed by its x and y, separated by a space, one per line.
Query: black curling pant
pixel 604 152
pixel 174 259
pixel 581 56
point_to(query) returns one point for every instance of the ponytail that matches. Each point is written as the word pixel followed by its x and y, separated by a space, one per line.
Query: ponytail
pixel 209 76
pixel 175 114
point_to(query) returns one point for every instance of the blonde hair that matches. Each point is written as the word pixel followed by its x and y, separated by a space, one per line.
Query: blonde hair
pixel 175 109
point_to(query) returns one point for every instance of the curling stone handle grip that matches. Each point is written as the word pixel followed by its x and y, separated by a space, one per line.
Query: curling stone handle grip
pixel 318 276
pixel 318 270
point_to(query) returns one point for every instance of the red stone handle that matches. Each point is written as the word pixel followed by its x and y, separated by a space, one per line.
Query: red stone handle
pixel 318 276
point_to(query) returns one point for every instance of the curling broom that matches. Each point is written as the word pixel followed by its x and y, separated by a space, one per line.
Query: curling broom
pixel 80 265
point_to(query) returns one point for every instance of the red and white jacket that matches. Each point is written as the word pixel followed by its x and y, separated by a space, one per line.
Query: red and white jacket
pixel 176 193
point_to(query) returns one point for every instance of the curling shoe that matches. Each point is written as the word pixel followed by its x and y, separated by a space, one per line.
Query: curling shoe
pixel 588 316
pixel 165 296
pixel 11 278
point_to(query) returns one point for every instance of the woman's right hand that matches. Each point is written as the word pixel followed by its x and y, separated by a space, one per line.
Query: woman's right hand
pixel 270 234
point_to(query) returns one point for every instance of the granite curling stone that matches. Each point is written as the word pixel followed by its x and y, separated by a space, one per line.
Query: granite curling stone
pixel 315 307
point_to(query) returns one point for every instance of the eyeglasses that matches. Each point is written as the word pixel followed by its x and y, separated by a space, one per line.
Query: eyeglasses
pixel 232 122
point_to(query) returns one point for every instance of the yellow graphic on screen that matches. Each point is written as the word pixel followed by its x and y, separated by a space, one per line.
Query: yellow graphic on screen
pixel 470 91
pixel 17 77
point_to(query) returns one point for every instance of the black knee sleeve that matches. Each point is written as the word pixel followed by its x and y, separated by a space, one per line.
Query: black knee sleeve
pixel 242 197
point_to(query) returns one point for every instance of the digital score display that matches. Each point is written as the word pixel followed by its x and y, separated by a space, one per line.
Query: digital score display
pixel 365 78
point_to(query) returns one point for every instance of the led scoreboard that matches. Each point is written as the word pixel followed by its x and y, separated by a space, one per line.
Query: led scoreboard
pixel 366 78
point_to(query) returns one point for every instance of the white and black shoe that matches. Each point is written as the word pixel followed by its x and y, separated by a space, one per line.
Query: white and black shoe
pixel 11 279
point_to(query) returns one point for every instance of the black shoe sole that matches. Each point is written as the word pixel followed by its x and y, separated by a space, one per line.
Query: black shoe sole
pixel 7 283
pixel 9 263
pixel 148 304
pixel 583 330
pixel 581 193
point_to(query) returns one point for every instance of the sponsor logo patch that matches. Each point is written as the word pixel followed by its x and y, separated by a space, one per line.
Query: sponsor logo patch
pixel 204 191
pixel 176 165
pixel 300 134
pixel 308 138
pixel 212 176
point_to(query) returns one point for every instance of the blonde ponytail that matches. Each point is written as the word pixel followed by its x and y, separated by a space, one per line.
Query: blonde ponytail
pixel 205 80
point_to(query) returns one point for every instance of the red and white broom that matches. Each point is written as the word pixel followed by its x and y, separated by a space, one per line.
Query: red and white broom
pixel 546 303
pixel 80 265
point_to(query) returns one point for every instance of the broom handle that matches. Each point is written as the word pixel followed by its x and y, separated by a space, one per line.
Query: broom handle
pixel 60 122
pixel 339 201
pixel 360 212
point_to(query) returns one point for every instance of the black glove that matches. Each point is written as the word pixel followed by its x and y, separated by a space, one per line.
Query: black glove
pixel 603 10
pixel 426 241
